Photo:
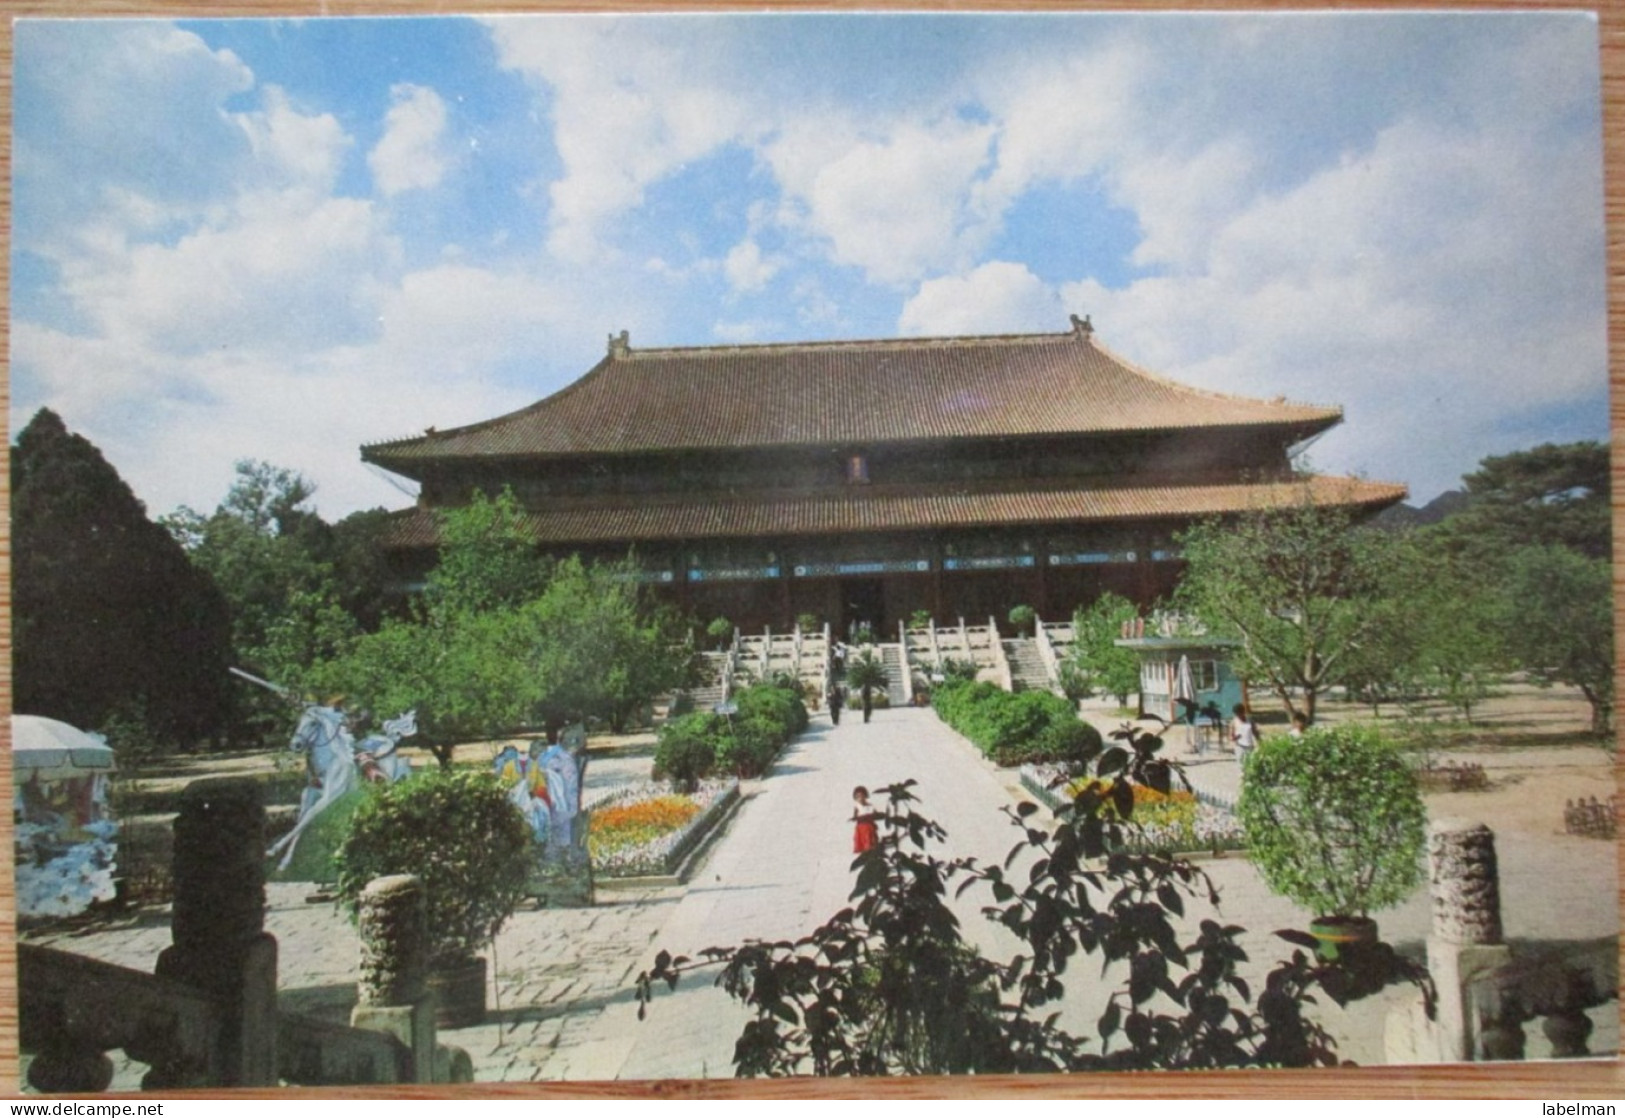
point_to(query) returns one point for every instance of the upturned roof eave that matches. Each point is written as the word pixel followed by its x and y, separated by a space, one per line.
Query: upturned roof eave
pixel 1372 497
pixel 1301 427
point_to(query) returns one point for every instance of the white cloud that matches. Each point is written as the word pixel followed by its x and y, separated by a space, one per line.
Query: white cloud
pixel 411 154
pixel 627 111
pixel 292 149
pixel 282 272
pixel 999 297
pixel 897 205
pixel 747 269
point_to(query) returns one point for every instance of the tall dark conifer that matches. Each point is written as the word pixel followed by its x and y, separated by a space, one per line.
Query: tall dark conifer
pixel 110 617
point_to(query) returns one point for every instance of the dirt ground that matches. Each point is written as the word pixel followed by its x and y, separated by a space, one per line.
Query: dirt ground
pixel 1535 746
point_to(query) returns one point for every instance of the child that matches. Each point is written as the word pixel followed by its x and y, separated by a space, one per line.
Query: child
pixel 865 835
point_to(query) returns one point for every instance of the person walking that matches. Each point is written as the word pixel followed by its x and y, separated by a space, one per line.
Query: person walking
pixel 836 700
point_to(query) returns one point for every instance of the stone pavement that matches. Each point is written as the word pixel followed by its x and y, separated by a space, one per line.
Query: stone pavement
pixel 564 1005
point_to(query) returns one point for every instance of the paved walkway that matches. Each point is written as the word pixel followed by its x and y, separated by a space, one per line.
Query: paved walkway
pixel 784 867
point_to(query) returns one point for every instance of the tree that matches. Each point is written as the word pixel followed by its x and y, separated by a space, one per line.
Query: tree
pixel 112 623
pixel 270 556
pixel 488 558
pixel 603 650
pixel 1458 643
pixel 502 639
pixel 1553 494
pixel 1558 625
pixel 1302 587
pixel 1095 665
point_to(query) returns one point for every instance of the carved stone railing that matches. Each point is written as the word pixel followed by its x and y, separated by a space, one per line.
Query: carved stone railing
pixel 1046 653
pixel 1489 989
pixel 1001 662
pixel 208 1017
pixel 73 1010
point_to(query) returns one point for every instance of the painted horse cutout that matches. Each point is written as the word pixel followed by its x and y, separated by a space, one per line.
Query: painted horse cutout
pixel 335 764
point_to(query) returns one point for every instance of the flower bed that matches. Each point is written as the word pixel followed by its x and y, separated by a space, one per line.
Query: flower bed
pixel 647 829
pixel 1177 822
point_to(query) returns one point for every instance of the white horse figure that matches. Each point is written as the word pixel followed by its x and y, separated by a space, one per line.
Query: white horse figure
pixel 376 753
pixel 336 763
pixel 330 763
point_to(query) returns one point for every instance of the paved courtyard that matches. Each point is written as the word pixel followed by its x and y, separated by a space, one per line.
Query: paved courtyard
pixel 564 1007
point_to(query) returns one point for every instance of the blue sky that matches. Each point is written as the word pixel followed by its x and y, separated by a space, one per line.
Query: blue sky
pixel 281 239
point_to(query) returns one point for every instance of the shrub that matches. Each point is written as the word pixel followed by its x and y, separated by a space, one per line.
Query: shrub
pixel 462 837
pixel 695 746
pixel 1010 728
pixel 750 745
pixel 780 703
pixel 1334 820
pixel 808 623
pixel 1064 742
pixel 687 748
pixel 681 703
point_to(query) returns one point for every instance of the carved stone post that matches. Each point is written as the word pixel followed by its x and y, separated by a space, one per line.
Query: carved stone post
pixel 220 946
pixel 394 996
pixel 1465 946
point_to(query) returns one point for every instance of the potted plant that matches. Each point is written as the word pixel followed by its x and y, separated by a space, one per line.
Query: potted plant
pixel 458 832
pixel 1334 822
pixel 1022 619
pixel 721 631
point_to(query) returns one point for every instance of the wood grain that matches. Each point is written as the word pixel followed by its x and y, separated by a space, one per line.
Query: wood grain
pixel 1593 1079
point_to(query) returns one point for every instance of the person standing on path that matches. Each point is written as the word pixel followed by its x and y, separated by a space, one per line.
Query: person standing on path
pixel 835 700
pixel 1243 734
pixel 865 833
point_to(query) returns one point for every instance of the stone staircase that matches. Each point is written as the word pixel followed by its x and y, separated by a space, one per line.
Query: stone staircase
pixel 710 690
pixel 1027 669
pixel 891 655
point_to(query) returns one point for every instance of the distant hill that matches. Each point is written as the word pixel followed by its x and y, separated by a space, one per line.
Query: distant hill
pixel 1407 516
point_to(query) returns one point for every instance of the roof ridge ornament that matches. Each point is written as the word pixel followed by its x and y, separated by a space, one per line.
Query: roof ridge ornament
pixel 620 345
pixel 1082 327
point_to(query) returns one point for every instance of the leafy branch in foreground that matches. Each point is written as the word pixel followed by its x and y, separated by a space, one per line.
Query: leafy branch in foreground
pixel 890 986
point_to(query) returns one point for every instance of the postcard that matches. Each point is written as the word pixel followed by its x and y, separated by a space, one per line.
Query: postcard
pixel 616 547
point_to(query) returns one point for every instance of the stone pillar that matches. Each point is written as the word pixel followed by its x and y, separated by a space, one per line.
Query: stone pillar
pixel 1465 946
pixel 393 993
pixel 220 946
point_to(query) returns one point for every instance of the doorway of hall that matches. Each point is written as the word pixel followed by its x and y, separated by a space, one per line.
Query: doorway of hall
pixel 863 602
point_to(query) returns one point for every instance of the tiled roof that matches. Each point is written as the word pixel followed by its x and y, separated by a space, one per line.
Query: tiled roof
pixel 848 393
pixel 866 509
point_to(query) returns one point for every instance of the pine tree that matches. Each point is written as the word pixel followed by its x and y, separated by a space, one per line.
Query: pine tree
pixel 111 620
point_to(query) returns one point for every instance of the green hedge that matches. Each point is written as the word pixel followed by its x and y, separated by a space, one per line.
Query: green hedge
pixel 744 744
pixel 1028 727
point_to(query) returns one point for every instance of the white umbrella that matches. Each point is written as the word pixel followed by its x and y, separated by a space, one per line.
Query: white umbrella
pixel 1184 692
pixel 54 750
pixel 59 873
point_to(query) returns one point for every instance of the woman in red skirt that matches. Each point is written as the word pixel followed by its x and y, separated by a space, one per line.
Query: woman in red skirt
pixel 865 834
